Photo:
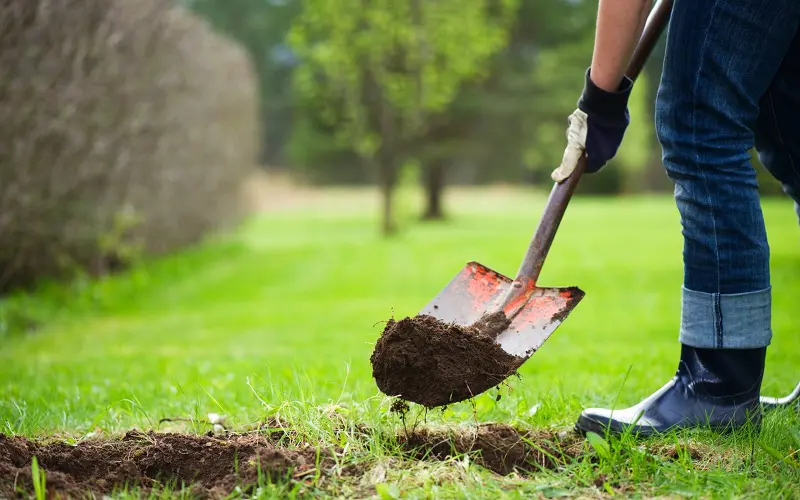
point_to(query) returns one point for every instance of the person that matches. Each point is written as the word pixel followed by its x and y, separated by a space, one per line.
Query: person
pixel 730 83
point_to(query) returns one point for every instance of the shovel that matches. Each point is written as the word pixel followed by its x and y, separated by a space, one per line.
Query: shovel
pixel 534 311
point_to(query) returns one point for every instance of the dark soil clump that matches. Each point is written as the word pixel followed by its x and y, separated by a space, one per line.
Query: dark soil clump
pixel 498 447
pixel 431 363
pixel 211 466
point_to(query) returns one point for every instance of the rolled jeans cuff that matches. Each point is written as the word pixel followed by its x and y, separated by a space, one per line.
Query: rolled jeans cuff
pixel 726 321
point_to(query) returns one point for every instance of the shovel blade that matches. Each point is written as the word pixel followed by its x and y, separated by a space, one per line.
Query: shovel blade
pixel 477 289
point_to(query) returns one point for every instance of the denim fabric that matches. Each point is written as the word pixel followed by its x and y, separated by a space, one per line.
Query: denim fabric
pixel 777 131
pixel 731 82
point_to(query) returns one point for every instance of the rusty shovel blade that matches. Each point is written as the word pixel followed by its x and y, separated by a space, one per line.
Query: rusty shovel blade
pixel 477 289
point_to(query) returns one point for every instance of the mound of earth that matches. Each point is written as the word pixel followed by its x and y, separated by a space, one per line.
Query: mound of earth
pixel 498 447
pixel 431 363
pixel 212 466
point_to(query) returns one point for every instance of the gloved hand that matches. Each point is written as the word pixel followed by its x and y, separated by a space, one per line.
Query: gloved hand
pixel 597 126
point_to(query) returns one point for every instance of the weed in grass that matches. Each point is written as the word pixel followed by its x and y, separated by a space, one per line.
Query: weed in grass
pixel 39 478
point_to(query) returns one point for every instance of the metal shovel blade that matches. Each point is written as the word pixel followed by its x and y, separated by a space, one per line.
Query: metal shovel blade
pixel 477 290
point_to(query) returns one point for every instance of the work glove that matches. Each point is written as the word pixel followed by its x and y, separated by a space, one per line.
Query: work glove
pixel 596 127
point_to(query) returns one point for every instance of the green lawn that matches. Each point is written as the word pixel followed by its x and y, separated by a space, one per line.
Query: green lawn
pixel 279 318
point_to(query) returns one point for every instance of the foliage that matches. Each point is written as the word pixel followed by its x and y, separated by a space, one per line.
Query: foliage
pixel 377 71
pixel 418 54
pixel 504 123
pixel 260 27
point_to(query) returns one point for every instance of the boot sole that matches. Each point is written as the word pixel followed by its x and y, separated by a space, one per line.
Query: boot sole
pixel 586 424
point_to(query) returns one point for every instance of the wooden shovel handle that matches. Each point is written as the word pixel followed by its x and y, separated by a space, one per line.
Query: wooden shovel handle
pixel 562 192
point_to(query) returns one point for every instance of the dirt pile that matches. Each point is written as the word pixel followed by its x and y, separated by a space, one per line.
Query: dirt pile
pixel 498 447
pixel 213 466
pixel 431 363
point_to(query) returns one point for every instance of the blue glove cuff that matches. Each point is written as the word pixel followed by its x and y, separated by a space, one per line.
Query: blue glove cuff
pixel 610 107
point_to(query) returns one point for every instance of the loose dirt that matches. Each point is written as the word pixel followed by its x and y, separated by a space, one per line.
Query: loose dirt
pixel 504 449
pixel 427 362
pixel 498 447
pixel 212 466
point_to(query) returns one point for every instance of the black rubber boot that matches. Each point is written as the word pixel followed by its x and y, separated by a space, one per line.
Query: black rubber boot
pixel 715 389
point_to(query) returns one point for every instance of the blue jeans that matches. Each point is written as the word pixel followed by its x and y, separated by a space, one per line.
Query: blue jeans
pixel 730 83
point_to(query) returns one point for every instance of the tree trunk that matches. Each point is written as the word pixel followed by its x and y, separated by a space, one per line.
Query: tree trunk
pixel 387 190
pixel 434 187
pixel 387 163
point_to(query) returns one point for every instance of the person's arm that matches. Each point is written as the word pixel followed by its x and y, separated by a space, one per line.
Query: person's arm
pixel 598 125
pixel 619 25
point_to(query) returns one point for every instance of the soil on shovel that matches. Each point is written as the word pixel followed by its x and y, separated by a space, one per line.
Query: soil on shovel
pixel 212 466
pixel 431 363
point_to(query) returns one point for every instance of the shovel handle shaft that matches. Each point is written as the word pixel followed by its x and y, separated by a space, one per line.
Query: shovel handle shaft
pixel 548 225
pixel 561 193
pixel 653 28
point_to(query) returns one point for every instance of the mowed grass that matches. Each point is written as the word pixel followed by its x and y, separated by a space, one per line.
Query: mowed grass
pixel 279 318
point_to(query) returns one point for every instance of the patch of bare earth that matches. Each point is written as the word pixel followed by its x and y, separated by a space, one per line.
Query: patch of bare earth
pixel 265 192
pixel 272 192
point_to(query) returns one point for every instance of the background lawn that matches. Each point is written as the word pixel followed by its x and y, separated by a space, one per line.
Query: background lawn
pixel 279 318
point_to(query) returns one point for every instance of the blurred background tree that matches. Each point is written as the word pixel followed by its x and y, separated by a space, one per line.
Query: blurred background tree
pixel 383 73
pixel 505 126
pixel 260 26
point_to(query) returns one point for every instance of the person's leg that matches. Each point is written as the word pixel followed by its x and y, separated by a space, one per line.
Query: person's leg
pixel 778 128
pixel 722 56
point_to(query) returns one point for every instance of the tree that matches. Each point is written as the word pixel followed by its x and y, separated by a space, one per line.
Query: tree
pixel 261 27
pixel 490 132
pixel 381 70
